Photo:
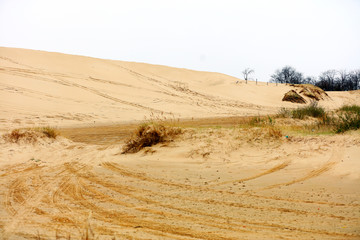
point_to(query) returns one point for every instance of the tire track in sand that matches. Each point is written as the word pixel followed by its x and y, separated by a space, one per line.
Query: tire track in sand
pixel 251 225
pixel 334 159
pixel 269 171
pixel 144 177
pixel 29 203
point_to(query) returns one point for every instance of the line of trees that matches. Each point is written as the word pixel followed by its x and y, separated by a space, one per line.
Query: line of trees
pixel 330 80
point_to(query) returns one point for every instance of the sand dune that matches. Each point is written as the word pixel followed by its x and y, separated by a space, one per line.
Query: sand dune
pixel 212 184
pixel 57 89
pixel 217 180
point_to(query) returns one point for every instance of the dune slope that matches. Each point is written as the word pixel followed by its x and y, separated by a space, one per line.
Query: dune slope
pixel 222 178
pixel 43 88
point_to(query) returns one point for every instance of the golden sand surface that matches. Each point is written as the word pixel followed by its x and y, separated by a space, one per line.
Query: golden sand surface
pixel 222 178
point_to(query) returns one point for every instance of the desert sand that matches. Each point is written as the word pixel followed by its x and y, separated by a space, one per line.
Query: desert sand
pixel 217 180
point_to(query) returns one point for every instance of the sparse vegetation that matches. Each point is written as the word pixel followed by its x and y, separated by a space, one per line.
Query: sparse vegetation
pixel 149 134
pixel 18 135
pixel 271 120
pixel 257 120
pixel 48 131
pixel 261 121
pixel 30 135
pixel 275 133
pixel 284 113
pixel 348 118
pixel 312 110
pixel 351 108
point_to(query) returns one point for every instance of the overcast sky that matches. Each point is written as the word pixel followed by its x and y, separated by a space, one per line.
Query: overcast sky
pixel 220 36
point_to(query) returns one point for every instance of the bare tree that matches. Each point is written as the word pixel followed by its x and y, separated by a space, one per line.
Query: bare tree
pixel 343 77
pixel 247 72
pixel 327 80
pixel 355 79
pixel 287 74
pixel 309 80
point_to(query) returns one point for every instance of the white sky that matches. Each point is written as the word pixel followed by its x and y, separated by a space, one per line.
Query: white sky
pixel 221 36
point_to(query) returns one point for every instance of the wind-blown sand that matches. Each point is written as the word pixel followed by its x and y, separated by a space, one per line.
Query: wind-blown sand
pixel 223 182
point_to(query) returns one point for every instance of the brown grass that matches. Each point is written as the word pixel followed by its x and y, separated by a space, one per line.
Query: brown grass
pixel 17 135
pixel 293 96
pixel 275 133
pixel 30 135
pixel 49 132
pixel 149 134
pixel 312 91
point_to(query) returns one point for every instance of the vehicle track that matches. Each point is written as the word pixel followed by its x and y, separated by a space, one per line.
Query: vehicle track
pixel 115 202
pixel 334 159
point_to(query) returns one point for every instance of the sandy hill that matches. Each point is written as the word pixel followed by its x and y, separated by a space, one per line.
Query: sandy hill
pixel 38 87
pixel 218 179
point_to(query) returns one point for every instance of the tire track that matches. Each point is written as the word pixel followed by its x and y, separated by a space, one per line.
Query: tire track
pixel 125 190
pixel 132 221
pixel 334 159
pixel 269 171
pixel 79 189
pixel 57 78
pixel 143 177
pixel 169 216
pixel 212 100
pixel 28 203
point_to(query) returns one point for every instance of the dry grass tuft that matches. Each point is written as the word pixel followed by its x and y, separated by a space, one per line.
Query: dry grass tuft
pixel 275 133
pixel 30 135
pixel 149 134
pixel 49 132
pixel 293 96
pixel 311 91
pixel 17 135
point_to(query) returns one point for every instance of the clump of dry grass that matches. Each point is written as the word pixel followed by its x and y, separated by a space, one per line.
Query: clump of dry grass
pixel 17 135
pixel 30 135
pixel 293 96
pixel 275 133
pixel 49 132
pixel 313 92
pixel 149 134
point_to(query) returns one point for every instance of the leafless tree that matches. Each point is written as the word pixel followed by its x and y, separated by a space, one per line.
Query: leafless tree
pixel 287 74
pixel 329 76
pixel 355 79
pixel 343 76
pixel 247 72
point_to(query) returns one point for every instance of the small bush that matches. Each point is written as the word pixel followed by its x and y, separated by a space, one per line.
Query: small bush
pixel 347 122
pixel 30 135
pixel 17 135
pixel 14 136
pixel 149 134
pixel 313 110
pixel 351 108
pixel 49 132
pixel 348 118
pixel 275 133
